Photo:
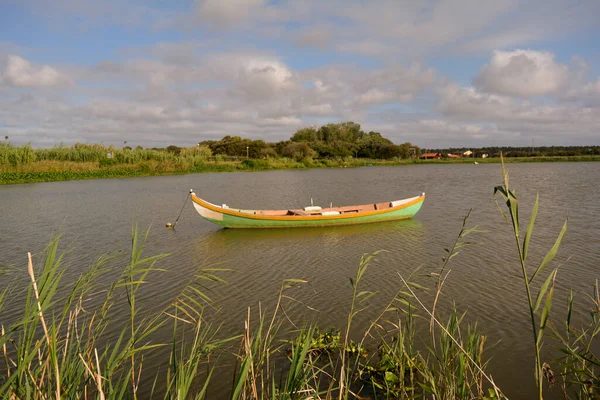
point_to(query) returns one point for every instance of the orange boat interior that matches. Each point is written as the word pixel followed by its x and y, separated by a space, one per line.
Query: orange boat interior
pixel 324 211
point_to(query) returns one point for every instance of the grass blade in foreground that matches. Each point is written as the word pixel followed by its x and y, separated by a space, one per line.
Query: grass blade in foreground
pixel 510 199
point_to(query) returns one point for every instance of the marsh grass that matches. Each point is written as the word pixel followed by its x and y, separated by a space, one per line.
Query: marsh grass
pixel 64 359
pixel 58 348
pixel 23 164
pixel 579 363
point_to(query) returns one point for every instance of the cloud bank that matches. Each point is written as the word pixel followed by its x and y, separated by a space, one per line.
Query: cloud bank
pixel 263 69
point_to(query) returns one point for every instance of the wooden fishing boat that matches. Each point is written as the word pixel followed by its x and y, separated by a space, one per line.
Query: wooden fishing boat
pixel 312 216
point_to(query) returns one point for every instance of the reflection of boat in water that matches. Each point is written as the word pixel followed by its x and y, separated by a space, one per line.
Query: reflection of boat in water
pixel 312 216
pixel 288 242
pixel 408 227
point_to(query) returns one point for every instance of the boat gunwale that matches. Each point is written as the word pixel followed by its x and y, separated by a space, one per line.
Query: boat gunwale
pixel 234 213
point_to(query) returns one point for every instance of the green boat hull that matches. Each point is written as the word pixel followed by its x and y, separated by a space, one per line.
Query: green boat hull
pixel 240 221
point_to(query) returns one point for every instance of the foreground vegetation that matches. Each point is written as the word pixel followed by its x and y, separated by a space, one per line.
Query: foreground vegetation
pixel 59 347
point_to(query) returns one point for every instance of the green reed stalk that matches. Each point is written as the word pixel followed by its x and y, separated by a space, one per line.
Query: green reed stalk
pixel 357 299
pixel 136 272
pixel 449 337
pixel 60 357
pixel 547 288
pixel 580 364
pixel 51 343
pixel 458 244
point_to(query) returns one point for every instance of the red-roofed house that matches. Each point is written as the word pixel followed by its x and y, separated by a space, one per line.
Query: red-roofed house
pixel 431 156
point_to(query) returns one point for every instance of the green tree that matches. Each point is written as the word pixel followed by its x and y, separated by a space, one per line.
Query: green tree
pixel 309 134
pixel 298 151
pixel 256 147
pixel 371 145
pixel 268 152
pixel 174 149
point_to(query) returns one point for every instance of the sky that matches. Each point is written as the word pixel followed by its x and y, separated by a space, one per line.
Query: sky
pixel 436 73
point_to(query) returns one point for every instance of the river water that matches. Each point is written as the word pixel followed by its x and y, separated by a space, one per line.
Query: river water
pixel 97 216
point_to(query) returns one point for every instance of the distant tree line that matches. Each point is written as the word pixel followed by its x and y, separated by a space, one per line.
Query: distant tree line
pixel 529 151
pixel 345 139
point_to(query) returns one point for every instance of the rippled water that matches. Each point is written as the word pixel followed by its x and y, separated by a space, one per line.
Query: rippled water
pixel 97 216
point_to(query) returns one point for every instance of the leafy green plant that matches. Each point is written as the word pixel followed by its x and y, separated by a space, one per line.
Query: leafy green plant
pixel 546 290
pixel 580 362
pixel 321 342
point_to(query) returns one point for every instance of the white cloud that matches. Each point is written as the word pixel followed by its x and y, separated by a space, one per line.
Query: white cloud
pixel 592 88
pixel 587 94
pixel 264 78
pixel 521 119
pixel 441 127
pixel 282 121
pixel 20 72
pixel 314 36
pixel 502 40
pixel 375 96
pixel 206 96
pixel 157 101
pixel 318 110
pixel 358 87
pixel 367 48
pixel 263 68
pixel 220 14
pixel 523 73
pixel 407 28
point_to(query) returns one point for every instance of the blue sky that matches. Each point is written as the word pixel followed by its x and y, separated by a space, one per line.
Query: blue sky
pixel 437 73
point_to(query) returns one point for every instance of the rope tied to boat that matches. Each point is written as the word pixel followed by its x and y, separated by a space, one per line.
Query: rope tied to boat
pixel 169 225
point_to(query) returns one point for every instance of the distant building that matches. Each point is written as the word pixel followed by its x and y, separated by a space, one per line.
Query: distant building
pixel 431 156
pixel 453 156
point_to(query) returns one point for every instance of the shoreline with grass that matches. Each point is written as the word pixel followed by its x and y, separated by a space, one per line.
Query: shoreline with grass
pixel 56 170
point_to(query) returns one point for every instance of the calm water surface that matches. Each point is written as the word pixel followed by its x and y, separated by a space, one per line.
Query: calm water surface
pixel 97 216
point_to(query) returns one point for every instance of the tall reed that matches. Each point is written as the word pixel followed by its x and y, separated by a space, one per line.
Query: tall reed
pixel 546 290
pixel 579 364
pixel 71 356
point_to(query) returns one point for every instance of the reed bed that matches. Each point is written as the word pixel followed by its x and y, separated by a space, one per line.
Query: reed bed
pixel 23 164
pixel 59 347
pixel 14 156
pixel 54 351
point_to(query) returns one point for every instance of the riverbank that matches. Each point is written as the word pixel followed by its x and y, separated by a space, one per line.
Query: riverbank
pixel 52 171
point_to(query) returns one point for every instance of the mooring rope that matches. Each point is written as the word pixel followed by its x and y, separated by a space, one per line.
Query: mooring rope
pixel 180 212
